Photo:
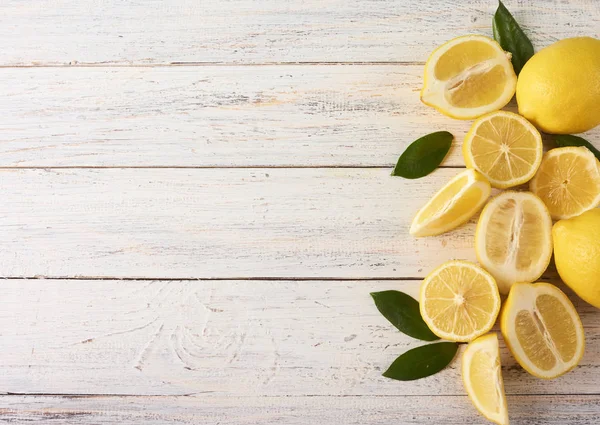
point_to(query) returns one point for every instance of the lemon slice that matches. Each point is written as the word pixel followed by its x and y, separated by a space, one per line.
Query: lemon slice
pixel 482 378
pixel 542 329
pixel 453 205
pixel 504 147
pixel 459 301
pixel 568 181
pixel 513 240
pixel 468 77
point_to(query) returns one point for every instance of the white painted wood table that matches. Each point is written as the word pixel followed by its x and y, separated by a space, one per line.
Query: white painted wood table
pixel 196 203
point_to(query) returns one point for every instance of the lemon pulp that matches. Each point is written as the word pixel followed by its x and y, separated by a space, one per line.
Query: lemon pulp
pixel 482 378
pixel 542 329
pixel 504 147
pixel 467 77
pixel 568 181
pixel 513 240
pixel 452 205
pixel 459 301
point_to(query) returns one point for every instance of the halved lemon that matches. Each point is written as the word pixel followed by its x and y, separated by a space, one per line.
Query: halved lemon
pixel 542 329
pixel 568 181
pixel 453 205
pixel 504 147
pixel 513 240
pixel 459 301
pixel 468 77
pixel 482 377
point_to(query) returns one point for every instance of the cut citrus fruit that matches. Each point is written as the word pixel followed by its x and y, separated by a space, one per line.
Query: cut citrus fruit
pixel 452 205
pixel 504 147
pixel 568 181
pixel 482 378
pixel 459 301
pixel 542 329
pixel 513 240
pixel 468 77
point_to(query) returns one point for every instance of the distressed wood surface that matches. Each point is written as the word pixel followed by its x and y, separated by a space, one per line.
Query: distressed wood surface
pixel 251 410
pixel 228 223
pixel 229 339
pixel 218 116
pixel 58 32
pixel 215 116
pixel 127 93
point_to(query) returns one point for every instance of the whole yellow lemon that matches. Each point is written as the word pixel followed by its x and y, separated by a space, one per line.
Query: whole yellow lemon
pixel 558 89
pixel 577 254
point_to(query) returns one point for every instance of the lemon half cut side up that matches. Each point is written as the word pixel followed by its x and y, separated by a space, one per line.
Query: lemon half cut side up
pixel 468 77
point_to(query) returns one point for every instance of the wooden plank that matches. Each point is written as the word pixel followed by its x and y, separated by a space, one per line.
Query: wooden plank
pixel 204 223
pixel 369 410
pixel 230 339
pixel 218 116
pixel 50 32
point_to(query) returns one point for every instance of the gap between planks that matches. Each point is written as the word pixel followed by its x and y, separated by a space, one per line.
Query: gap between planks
pixel 209 167
pixel 68 396
pixel 186 279
pixel 226 279
pixel 226 64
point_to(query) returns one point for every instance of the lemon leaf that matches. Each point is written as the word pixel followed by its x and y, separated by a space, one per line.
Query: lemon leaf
pixel 423 155
pixel 511 37
pixel 402 311
pixel 422 361
pixel 563 140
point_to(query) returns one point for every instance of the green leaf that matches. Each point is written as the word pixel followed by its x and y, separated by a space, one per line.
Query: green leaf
pixel 422 361
pixel 403 312
pixel 423 155
pixel 511 37
pixel 563 140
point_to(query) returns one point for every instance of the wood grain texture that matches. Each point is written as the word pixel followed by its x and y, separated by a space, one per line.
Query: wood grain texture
pixel 49 32
pixel 203 223
pixel 216 116
pixel 229 338
pixel 366 410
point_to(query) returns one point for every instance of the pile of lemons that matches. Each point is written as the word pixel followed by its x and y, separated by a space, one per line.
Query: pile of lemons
pixel 558 91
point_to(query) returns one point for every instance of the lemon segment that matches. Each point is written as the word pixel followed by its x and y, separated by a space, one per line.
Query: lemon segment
pixel 482 378
pixel 568 181
pixel 542 329
pixel 468 77
pixel 452 205
pixel 504 147
pixel 577 254
pixel 513 240
pixel 459 301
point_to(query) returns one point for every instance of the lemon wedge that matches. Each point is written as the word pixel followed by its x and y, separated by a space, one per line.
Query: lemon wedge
pixel 542 329
pixel 568 181
pixel 453 205
pixel 482 378
pixel 459 301
pixel 468 77
pixel 504 147
pixel 513 240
